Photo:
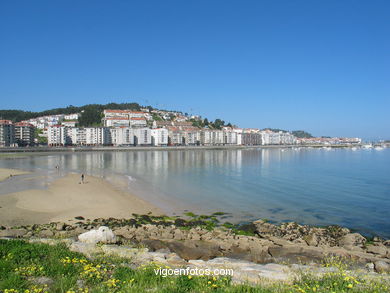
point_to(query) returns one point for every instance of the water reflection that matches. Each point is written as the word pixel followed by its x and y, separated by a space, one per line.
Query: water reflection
pixel 307 185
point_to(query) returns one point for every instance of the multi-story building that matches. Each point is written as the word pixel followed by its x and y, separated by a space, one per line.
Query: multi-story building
pixel 142 136
pixel 211 137
pixel 74 116
pixel 229 136
pixel 118 118
pixel 159 137
pixel 97 136
pixel 6 133
pixel 116 122
pixel 138 122
pixel 122 136
pixel 251 138
pixel 24 134
pixel 57 135
pixel 69 123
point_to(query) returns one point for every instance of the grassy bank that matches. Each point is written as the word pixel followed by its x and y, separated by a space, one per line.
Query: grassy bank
pixel 34 267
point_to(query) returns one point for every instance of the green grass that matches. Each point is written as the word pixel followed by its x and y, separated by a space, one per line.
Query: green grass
pixel 22 262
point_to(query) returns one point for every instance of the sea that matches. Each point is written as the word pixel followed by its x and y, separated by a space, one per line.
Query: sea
pixel 316 186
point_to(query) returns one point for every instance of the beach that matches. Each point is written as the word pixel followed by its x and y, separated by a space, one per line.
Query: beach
pixel 67 198
pixel 6 173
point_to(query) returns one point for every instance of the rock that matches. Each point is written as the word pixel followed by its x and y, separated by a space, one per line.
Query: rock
pixel 194 249
pixel 89 249
pixel 60 226
pixel 80 283
pixel 370 267
pixel 352 240
pixel 13 233
pixel 42 281
pixel 178 234
pixel 386 243
pixel 79 218
pixel 312 239
pixel 102 235
pixel 296 253
pixel 382 267
pixel 263 229
pixel 45 234
pixel 377 249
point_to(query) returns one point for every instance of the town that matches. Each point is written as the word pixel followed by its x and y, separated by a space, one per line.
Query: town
pixel 146 127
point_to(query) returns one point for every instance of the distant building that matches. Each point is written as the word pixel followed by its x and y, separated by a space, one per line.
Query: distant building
pixel 122 136
pixel 24 134
pixel 159 137
pixel 56 135
pixel 69 123
pixel 6 133
pixel 74 116
pixel 251 138
pixel 142 136
pixel 119 118
pixel 211 137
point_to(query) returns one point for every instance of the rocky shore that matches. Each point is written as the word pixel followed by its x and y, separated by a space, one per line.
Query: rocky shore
pixel 198 241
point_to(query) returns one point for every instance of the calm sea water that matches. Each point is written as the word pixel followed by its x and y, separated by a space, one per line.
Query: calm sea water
pixel 310 186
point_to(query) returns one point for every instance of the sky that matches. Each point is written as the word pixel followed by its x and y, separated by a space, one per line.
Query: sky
pixel 320 66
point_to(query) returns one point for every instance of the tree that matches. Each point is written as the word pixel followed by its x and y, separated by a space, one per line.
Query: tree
pixel 301 134
pixel 91 116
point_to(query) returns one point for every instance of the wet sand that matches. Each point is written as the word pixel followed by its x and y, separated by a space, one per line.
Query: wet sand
pixel 66 198
pixel 7 173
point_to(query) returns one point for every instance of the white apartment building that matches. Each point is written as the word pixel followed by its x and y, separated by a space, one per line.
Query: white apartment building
pixel 69 123
pixel 74 116
pixel 192 137
pixel 97 136
pixel 159 137
pixel 269 137
pixel 229 136
pixel 176 136
pixel 125 118
pixel 142 136
pixel 138 122
pixel 211 137
pixel 116 122
pixel 122 136
pixel 56 135
pixel 287 138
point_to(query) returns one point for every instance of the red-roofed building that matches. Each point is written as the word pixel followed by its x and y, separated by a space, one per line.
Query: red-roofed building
pixel 24 133
pixel 6 133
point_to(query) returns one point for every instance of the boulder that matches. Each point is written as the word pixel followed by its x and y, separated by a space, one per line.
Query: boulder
pixel 102 235
pixel 377 249
pixel 382 266
pixel 194 249
pixel 352 240
pixel 13 233
pixel 264 229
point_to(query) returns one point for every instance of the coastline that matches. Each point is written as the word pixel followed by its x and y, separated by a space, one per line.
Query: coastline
pixel 157 148
pixel 8 173
pixel 66 198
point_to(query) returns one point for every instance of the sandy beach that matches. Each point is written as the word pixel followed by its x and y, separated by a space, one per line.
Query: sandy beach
pixel 66 198
pixel 6 173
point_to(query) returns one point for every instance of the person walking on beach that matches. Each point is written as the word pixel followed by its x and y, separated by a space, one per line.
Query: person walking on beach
pixel 82 178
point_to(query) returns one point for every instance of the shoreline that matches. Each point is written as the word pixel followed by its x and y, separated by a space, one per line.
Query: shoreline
pixel 8 173
pixel 159 148
pixel 66 198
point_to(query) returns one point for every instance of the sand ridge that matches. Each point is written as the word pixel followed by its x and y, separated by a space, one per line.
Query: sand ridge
pixel 67 198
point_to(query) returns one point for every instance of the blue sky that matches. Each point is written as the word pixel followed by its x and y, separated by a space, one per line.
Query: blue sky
pixel 322 66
